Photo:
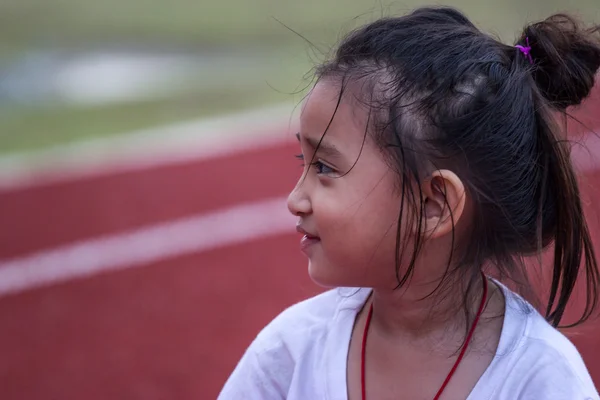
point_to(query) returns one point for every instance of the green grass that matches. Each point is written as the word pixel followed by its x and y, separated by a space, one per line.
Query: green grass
pixel 32 128
pixel 236 26
pixel 236 22
pixel 29 128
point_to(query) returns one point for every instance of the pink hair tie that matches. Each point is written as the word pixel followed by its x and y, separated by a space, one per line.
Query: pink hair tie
pixel 526 50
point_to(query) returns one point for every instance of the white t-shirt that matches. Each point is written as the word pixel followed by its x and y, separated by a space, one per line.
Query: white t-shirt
pixel 302 355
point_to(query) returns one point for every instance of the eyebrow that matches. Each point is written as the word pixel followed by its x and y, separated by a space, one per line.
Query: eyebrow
pixel 325 148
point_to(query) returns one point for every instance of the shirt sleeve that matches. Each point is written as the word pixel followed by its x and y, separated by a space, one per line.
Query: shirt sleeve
pixel 558 381
pixel 250 379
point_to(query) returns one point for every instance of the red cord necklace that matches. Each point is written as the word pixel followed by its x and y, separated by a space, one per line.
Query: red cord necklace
pixel 458 360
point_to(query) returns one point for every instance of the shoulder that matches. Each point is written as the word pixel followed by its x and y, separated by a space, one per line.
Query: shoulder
pixel 544 362
pixel 292 344
pixel 308 320
pixel 555 363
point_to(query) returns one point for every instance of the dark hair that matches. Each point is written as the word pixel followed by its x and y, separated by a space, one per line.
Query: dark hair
pixel 442 94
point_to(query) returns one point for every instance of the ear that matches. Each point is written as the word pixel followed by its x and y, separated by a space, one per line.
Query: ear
pixel 444 196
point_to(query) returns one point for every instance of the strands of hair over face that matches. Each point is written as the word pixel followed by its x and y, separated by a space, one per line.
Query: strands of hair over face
pixel 442 94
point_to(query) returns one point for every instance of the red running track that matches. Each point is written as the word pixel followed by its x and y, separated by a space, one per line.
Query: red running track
pixel 176 328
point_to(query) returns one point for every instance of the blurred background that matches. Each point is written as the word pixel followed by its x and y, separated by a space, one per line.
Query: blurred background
pixel 145 155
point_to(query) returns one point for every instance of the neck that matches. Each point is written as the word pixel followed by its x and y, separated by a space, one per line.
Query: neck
pixel 414 313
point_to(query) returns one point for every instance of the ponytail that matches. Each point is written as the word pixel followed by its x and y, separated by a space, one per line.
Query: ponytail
pixel 565 60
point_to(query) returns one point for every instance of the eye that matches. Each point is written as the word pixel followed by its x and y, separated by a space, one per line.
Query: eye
pixel 322 168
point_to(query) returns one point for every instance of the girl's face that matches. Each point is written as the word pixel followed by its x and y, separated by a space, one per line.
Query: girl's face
pixel 348 198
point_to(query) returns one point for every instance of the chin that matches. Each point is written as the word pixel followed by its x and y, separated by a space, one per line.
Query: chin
pixel 320 275
pixel 326 276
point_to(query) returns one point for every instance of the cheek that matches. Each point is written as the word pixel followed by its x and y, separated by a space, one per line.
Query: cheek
pixel 359 237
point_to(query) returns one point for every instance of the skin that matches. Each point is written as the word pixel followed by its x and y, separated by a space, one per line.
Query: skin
pixel 348 198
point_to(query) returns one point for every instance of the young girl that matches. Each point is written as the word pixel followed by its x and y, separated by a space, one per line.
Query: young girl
pixel 433 158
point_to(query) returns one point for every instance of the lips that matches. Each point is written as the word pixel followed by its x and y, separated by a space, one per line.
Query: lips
pixel 308 240
pixel 307 234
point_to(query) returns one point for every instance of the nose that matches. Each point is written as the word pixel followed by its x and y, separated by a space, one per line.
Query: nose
pixel 298 201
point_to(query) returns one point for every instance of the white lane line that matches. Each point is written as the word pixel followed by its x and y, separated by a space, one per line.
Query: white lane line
pixel 165 145
pixel 194 234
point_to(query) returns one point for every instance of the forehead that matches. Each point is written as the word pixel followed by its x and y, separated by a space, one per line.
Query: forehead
pixel 344 119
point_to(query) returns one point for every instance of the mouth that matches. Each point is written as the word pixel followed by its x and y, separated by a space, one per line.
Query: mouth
pixel 308 240
pixel 306 234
